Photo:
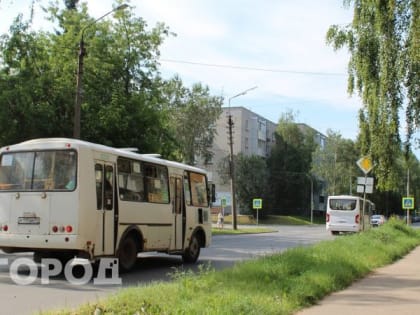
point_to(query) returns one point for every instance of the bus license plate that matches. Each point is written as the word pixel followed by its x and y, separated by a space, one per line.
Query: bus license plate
pixel 29 220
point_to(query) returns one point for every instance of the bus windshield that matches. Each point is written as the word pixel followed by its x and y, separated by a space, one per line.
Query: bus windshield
pixel 343 204
pixel 38 170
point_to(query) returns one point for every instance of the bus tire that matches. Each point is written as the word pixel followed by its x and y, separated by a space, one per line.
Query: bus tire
pixel 191 254
pixel 127 254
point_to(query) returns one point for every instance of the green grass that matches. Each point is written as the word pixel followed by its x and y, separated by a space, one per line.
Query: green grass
pixel 273 284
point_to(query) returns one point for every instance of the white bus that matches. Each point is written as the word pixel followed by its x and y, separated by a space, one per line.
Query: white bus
pixel 66 198
pixel 345 214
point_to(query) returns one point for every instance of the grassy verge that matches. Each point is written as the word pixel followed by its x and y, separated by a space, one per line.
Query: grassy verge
pixel 285 220
pixel 275 284
pixel 273 220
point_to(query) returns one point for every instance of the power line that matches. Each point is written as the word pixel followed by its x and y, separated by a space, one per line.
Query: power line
pixel 252 68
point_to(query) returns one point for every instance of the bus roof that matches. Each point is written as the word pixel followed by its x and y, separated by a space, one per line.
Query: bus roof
pixel 343 197
pixel 60 143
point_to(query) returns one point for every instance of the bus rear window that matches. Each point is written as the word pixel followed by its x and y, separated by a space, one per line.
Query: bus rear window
pixel 343 204
pixel 38 170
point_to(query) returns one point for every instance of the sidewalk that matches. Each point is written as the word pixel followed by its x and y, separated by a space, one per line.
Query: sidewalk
pixel 394 289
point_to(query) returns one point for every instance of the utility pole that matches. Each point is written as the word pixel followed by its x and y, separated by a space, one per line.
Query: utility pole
pixel 232 171
pixel 408 192
pixel 79 78
pixel 231 160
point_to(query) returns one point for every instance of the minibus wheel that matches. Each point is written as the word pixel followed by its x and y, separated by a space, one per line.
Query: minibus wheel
pixel 191 254
pixel 127 254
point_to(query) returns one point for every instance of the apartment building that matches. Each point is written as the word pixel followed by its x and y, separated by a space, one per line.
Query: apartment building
pixel 252 135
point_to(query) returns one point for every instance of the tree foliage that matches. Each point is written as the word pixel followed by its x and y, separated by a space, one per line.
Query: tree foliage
pixel 191 117
pixel 251 179
pixel 25 81
pixel 335 163
pixel 125 102
pixel 289 166
pixel 383 41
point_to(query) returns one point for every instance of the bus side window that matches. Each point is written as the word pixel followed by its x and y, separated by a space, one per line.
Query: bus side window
pixel 156 183
pixel 198 189
pixel 187 190
pixel 99 187
pixel 104 191
pixel 108 192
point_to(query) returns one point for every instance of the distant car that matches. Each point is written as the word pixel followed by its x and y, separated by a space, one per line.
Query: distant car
pixel 377 220
pixel 415 219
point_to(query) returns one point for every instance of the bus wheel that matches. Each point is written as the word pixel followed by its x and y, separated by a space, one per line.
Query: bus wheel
pixel 191 254
pixel 335 232
pixel 127 254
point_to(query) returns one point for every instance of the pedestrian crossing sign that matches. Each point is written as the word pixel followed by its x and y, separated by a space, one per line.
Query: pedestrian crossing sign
pixel 408 203
pixel 257 203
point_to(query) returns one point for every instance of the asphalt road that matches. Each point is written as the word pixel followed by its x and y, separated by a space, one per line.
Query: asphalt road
pixel 224 252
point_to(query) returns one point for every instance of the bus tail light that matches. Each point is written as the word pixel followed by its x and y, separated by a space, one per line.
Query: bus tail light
pixel 357 219
pixel 5 228
pixel 62 229
pixel 328 217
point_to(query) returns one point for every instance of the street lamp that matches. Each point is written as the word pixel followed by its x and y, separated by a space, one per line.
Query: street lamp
pixel 82 53
pixel 240 94
pixel 231 162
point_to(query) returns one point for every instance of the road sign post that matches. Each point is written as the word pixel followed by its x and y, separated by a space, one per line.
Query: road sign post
pixel 408 204
pixel 366 165
pixel 257 204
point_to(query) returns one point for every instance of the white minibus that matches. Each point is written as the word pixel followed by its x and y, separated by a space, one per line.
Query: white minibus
pixel 66 198
pixel 345 214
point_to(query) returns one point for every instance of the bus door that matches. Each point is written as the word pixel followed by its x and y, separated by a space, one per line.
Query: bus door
pixel 105 183
pixel 177 210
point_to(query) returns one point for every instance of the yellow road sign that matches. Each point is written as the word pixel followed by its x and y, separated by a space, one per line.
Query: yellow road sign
pixel 365 164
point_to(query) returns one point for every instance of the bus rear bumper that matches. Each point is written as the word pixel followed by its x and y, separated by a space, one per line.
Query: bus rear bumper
pixel 342 228
pixel 21 242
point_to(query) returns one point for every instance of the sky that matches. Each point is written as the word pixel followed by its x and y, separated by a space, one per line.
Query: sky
pixel 277 46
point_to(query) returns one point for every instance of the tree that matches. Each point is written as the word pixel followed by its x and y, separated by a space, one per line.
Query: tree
pixel 192 114
pixel 120 79
pixel 289 166
pixel 125 101
pixel 251 179
pixel 384 68
pixel 336 164
pixel 26 82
